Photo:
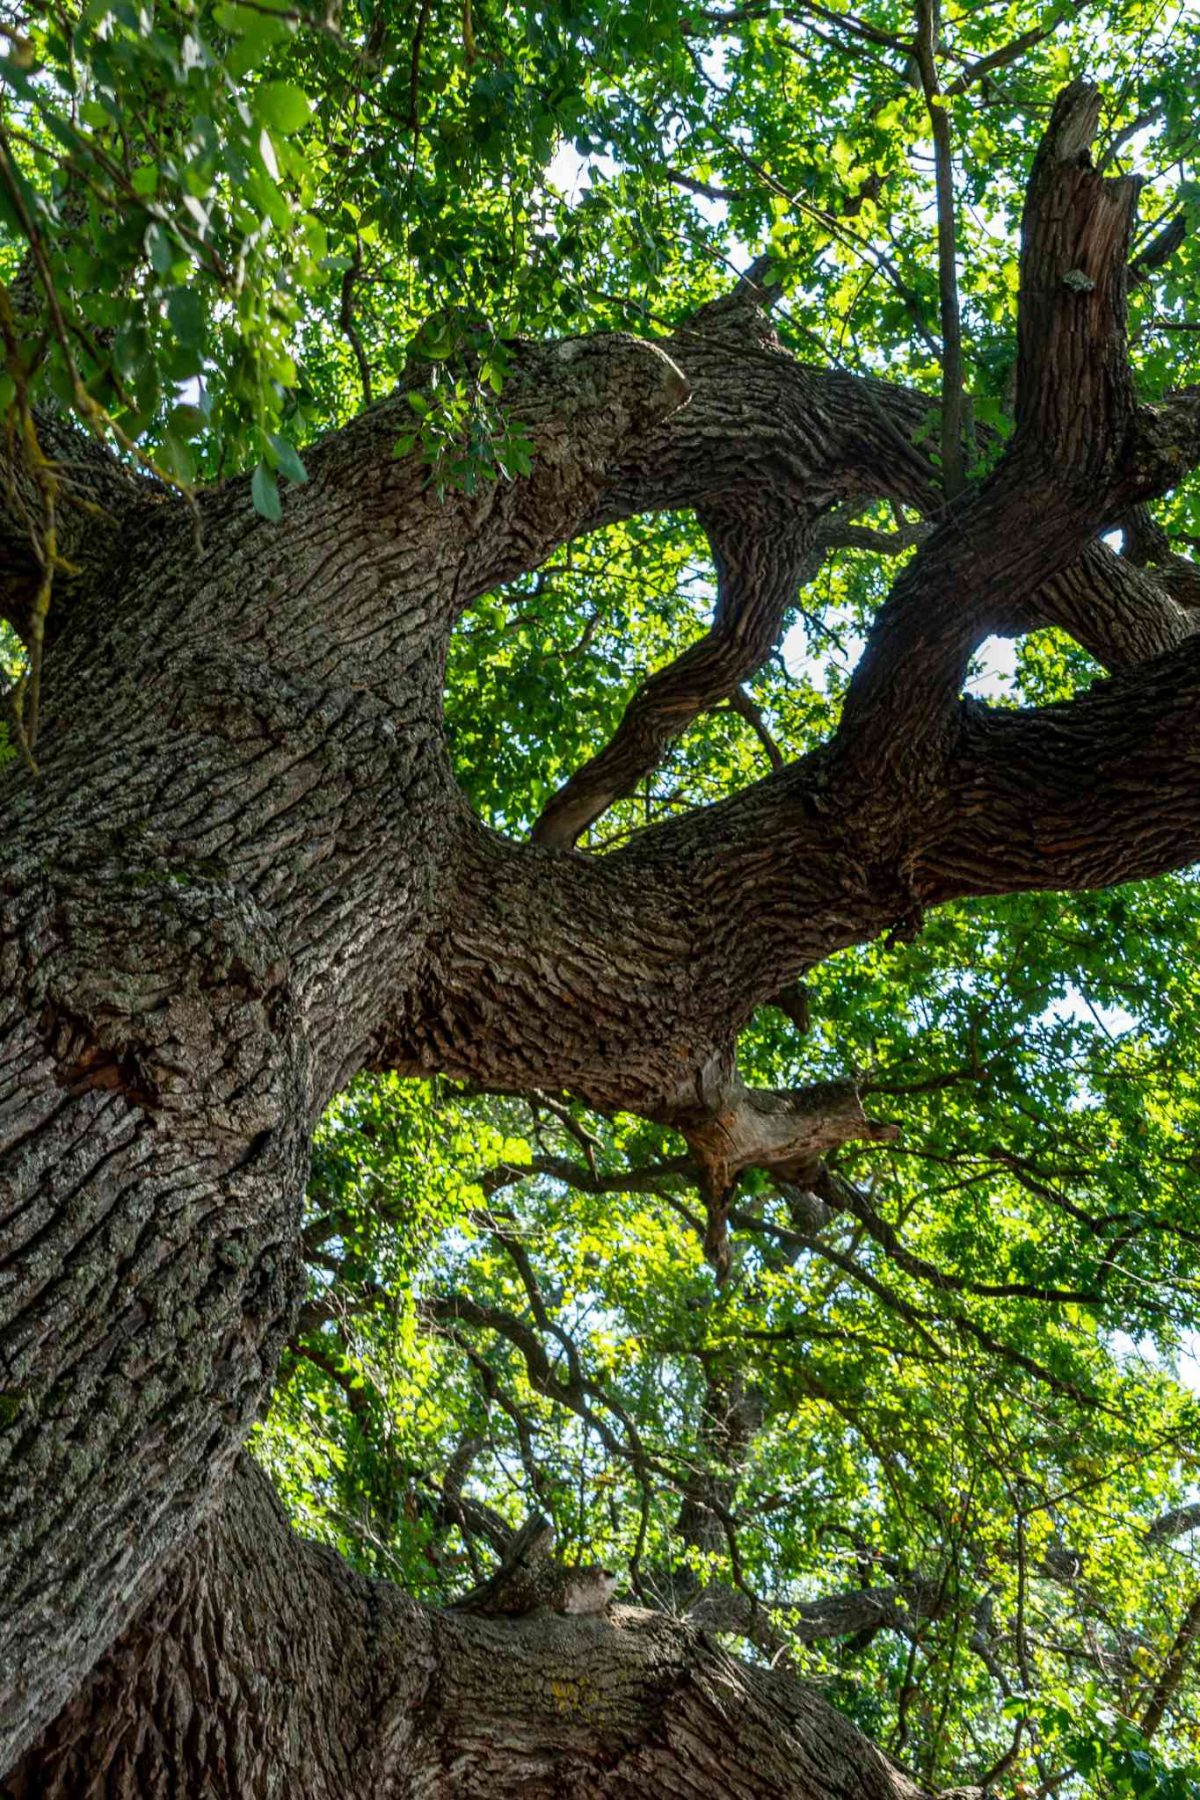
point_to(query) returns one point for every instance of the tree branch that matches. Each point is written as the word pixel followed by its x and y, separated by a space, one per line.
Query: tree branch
pixel 786 1133
pixel 1118 612
pixel 763 556
pixel 953 399
pixel 1099 790
pixel 903 1607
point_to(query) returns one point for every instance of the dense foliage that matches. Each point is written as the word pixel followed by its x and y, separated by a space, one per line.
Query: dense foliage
pixel 958 1377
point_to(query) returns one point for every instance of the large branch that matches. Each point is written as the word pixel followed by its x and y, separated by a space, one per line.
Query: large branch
pixel 1069 464
pixel 267 1658
pixel 784 1132
pixel 762 546
pixel 1103 789
pixel 1120 613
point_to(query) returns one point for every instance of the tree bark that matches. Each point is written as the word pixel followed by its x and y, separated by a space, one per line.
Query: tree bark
pixel 244 872
pixel 266 1667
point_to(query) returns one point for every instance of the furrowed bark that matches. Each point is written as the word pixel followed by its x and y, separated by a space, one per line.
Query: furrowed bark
pixel 245 872
pixel 267 1666
pixel 227 864
pixel 1119 612
pixel 1084 795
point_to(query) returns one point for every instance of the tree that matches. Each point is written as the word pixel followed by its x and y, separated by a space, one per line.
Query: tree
pixel 248 245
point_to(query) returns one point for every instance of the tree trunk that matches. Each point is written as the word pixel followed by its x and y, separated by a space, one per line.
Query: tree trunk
pixel 243 871
pixel 266 1668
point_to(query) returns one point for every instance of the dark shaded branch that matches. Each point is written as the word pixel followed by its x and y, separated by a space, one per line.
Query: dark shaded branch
pixel 837 1194
pixel 1173 1669
pixel 1158 251
pixel 350 331
pixel 1148 547
pixel 1118 612
pixel 414 76
pixel 1176 1523
pixel 865 537
pixel 741 704
pixel 647 1179
pixel 844 1194
pixel 995 60
pixel 1126 134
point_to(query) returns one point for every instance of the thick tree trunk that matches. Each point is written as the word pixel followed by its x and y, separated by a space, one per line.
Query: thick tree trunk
pixel 195 891
pixel 266 1668
pixel 244 871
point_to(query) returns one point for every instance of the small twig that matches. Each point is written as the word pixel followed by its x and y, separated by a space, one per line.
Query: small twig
pixel 953 472
pixel 346 319
pixel 1127 132
pixel 997 59
pixel 740 702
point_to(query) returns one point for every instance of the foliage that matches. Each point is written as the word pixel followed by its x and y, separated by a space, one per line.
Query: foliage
pixel 1001 1407
pixel 964 1373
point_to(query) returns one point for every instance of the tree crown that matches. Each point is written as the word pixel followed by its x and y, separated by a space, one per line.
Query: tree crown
pixel 920 1418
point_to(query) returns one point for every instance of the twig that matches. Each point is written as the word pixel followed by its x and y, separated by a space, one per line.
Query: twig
pixel 740 702
pixel 953 474
pixel 346 320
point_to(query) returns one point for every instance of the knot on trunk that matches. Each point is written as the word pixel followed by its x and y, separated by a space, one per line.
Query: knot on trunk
pixel 785 1131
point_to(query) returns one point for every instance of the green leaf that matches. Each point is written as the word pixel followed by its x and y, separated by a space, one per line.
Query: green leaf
pixel 282 105
pixel 265 493
pixel 286 460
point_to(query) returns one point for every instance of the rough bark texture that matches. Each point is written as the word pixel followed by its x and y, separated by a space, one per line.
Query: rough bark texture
pixel 245 872
pixel 265 1667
